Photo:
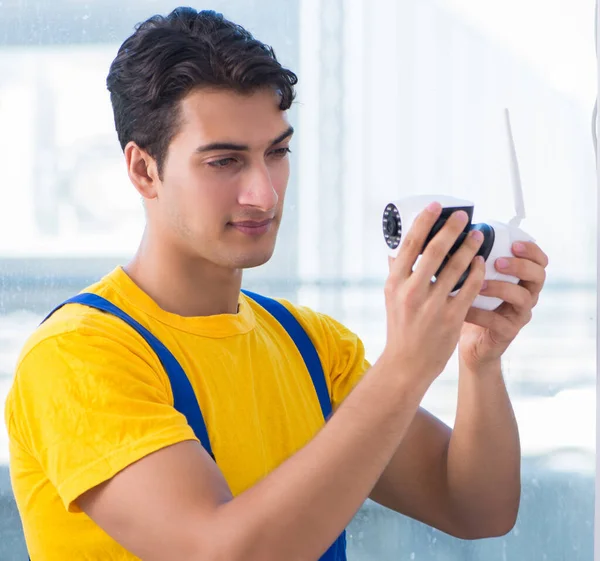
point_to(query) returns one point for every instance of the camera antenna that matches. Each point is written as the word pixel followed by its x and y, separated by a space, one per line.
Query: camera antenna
pixel 515 175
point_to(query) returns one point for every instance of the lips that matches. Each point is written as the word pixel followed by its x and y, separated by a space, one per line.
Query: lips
pixel 253 227
pixel 252 223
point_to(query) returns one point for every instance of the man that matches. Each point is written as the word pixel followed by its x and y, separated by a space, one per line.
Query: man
pixel 168 415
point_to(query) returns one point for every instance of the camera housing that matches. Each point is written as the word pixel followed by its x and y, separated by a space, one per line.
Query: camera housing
pixel 498 237
pixel 398 217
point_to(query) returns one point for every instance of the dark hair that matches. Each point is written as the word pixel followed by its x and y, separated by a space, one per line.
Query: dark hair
pixel 169 56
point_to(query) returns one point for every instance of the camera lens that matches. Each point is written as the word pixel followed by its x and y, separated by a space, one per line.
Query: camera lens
pixel 392 226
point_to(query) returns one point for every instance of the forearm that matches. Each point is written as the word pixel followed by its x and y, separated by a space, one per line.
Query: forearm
pixel 299 509
pixel 484 454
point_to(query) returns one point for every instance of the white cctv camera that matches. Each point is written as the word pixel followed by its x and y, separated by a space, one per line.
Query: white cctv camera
pixel 498 238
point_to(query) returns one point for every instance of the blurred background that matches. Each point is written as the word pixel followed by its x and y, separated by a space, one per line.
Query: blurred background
pixel 396 97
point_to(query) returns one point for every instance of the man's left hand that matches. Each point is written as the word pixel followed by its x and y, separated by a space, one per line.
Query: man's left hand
pixel 487 334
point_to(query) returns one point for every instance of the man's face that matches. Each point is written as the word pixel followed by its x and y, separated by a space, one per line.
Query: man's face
pixel 224 178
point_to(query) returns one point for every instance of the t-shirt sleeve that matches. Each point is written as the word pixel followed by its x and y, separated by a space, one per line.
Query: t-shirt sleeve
pixel 344 358
pixel 341 351
pixel 87 406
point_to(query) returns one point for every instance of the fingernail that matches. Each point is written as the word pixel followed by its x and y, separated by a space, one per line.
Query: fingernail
pixel 460 216
pixel 434 207
pixel 484 285
pixel 502 263
pixel 519 247
pixel 477 235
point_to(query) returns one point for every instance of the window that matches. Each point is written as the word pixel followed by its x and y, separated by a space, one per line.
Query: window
pixel 394 98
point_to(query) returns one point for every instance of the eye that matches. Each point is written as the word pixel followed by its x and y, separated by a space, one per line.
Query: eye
pixel 281 152
pixel 222 163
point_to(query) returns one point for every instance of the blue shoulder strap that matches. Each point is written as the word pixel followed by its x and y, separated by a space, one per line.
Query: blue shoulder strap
pixel 304 344
pixel 184 398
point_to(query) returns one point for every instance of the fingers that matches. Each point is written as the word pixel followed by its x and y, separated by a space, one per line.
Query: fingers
pixel 471 287
pixel 504 329
pixel 458 263
pixel 521 299
pixel 401 267
pixel 523 269
pixel 531 251
pixel 531 274
pixel 439 247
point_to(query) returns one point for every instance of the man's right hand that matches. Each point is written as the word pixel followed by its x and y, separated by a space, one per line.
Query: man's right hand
pixel 423 320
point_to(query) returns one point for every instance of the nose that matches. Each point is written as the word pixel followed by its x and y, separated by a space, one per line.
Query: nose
pixel 258 189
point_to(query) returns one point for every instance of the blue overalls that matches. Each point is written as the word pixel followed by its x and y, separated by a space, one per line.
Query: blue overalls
pixel 183 395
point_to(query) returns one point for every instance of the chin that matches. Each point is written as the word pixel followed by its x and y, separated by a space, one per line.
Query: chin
pixel 252 261
pixel 242 259
pixel 235 255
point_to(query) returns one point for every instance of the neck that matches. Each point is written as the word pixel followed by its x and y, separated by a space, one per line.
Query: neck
pixel 183 285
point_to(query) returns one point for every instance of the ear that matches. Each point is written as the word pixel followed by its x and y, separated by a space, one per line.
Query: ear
pixel 142 171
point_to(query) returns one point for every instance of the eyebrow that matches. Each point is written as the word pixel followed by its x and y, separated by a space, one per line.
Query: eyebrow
pixel 241 147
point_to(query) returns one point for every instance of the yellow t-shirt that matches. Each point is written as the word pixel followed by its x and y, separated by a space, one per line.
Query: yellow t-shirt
pixel 90 397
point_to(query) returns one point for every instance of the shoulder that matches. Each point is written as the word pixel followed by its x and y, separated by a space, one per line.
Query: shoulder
pixel 341 350
pixel 319 326
pixel 322 326
pixel 77 328
pixel 76 353
pixel 335 342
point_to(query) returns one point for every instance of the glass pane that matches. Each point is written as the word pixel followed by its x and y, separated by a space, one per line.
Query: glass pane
pixel 425 87
pixel 394 98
